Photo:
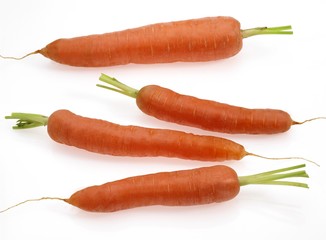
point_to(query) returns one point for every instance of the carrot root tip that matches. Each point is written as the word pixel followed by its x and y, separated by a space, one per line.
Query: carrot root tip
pixel 33 200
pixel 308 120
pixel 283 158
pixel 20 58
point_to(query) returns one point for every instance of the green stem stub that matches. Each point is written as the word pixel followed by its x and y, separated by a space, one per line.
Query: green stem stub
pixel 28 120
pixel 273 177
pixel 266 30
pixel 117 86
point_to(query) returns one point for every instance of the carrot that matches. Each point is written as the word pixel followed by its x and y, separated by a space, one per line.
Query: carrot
pixel 167 105
pixel 179 188
pixel 193 40
pixel 104 137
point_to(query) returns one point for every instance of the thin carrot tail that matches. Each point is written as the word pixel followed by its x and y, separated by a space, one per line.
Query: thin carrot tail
pixel 33 200
pixel 308 120
pixel 282 158
pixel 20 58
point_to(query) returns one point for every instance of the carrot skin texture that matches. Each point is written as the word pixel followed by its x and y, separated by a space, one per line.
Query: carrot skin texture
pixel 195 40
pixel 179 188
pixel 103 137
pixel 167 105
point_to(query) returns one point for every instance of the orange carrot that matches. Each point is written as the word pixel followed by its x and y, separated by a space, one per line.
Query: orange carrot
pixel 167 105
pixel 194 40
pixel 179 188
pixel 104 137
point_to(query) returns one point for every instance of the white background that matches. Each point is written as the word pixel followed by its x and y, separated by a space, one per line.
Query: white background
pixel 286 72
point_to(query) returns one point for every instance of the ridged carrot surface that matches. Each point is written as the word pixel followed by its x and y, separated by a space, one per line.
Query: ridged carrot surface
pixel 190 41
pixel 170 106
pixel 109 138
pixel 178 188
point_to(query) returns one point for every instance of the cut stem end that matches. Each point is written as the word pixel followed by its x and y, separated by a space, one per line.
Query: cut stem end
pixel 266 30
pixel 28 120
pixel 116 86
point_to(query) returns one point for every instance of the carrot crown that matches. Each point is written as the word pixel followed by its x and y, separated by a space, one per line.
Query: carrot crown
pixel 28 120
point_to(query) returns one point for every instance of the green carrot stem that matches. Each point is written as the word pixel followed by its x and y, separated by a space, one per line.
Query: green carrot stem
pixel 272 177
pixel 275 177
pixel 28 120
pixel 279 170
pixel 115 85
pixel 285 183
pixel 266 30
